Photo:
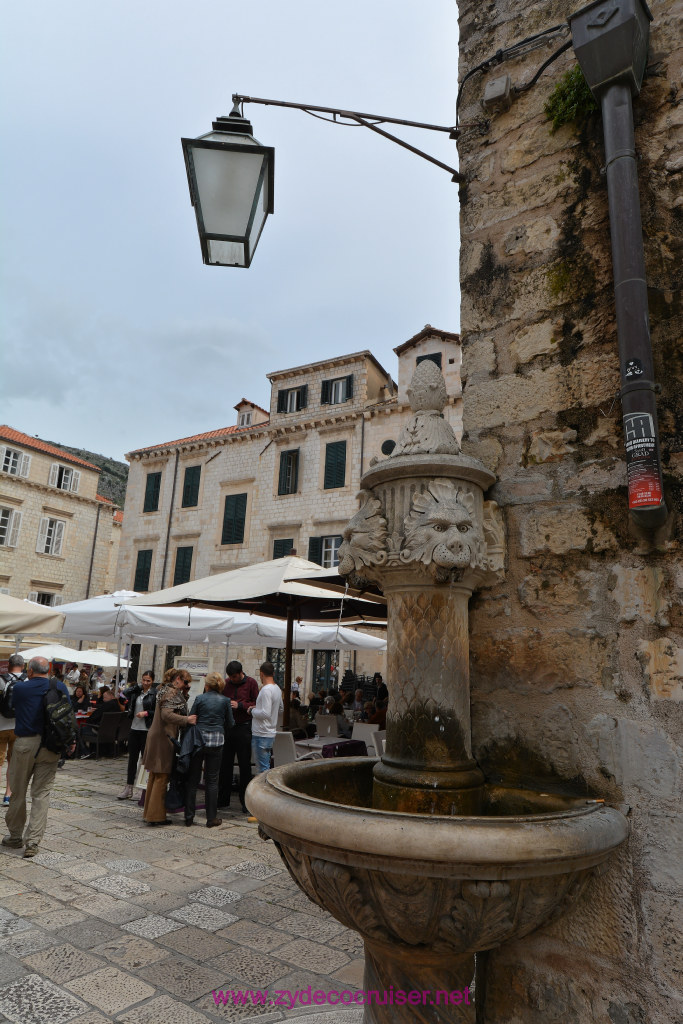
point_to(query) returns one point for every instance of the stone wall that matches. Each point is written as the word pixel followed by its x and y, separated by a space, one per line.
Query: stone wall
pixel 577 658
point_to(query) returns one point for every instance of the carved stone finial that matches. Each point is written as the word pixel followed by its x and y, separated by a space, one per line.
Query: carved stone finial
pixel 427 390
pixel 427 432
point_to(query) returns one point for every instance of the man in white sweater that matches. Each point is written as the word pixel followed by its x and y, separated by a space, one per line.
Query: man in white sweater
pixel 264 717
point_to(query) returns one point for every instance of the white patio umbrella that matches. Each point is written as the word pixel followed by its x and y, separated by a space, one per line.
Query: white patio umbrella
pixel 53 652
pixel 58 652
pixel 268 588
pixel 26 617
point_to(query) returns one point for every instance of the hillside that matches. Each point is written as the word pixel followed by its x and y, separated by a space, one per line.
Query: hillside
pixel 113 477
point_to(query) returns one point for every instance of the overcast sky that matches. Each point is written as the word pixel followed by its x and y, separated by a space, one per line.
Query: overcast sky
pixel 116 335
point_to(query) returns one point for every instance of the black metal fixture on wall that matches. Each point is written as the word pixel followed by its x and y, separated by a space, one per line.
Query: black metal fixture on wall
pixel 610 39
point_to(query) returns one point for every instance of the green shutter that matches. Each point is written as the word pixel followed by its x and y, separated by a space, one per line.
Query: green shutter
pixel 152 491
pixel 349 387
pixel 315 550
pixel 282 400
pixel 303 396
pixel 288 478
pixel 142 570
pixel 234 518
pixel 191 486
pixel 325 392
pixel 335 464
pixel 281 548
pixel 183 566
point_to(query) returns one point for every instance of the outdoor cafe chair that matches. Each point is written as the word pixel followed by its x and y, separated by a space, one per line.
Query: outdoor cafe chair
pixel 284 751
pixel 107 731
pixel 124 730
pixel 326 725
pixel 366 732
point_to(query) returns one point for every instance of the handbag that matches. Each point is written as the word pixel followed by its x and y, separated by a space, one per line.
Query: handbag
pixel 142 777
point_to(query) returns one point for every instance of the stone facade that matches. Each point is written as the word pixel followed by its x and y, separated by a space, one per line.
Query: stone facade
pixel 577 657
pixel 247 460
pixel 72 557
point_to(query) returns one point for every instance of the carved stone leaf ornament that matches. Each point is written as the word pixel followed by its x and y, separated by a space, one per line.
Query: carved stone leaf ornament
pixel 364 537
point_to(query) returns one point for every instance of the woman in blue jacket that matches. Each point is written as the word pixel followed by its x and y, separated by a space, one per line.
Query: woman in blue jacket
pixel 214 716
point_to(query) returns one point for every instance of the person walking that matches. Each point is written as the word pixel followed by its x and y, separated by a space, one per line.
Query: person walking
pixel 214 718
pixel 170 716
pixel 242 691
pixel 31 762
pixel 141 699
pixel 264 716
pixel 15 672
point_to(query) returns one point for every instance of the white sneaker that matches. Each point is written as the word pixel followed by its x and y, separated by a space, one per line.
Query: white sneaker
pixel 126 794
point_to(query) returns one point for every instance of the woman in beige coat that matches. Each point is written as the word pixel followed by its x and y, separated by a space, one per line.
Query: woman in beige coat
pixel 169 717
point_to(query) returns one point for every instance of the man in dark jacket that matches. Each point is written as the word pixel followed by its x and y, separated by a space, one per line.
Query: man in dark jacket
pixel 31 762
pixel 242 691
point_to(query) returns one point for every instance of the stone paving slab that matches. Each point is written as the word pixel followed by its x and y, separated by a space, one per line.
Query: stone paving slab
pixel 117 923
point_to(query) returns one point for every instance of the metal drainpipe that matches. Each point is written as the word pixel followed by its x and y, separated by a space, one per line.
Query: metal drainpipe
pixel 92 553
pixel 610 41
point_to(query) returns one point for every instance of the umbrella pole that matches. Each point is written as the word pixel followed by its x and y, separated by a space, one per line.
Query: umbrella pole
pixel 288 664
pixel 17 641
pixel 118 666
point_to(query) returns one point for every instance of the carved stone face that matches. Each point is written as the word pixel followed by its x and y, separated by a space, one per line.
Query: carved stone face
pixel 440 534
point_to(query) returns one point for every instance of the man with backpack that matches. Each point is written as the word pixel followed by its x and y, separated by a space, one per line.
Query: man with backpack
pixel 45 728
pixel 7 680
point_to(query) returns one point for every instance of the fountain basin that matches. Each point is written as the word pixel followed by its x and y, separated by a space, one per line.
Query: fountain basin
pixel 427 891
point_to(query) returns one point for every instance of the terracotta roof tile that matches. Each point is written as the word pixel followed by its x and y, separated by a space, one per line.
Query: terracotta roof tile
pixel 101 497
pixel 10 434
pixel 118 515
pixel 209 435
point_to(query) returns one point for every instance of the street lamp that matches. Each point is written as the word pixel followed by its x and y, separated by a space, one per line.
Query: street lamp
pixel 231 187
pixel 231 176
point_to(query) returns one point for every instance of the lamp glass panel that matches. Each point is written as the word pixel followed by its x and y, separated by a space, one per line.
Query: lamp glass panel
pixel 260 215
pixel 227 254
pixel 226 185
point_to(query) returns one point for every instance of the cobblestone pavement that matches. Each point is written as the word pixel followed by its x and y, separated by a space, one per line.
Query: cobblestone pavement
pixel 117 921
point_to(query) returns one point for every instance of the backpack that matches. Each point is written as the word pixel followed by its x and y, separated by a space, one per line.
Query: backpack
pixel 59 721
pixel 7 697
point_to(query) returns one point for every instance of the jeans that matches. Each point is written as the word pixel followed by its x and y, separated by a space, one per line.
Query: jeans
pixel 210 757
pixel 263 746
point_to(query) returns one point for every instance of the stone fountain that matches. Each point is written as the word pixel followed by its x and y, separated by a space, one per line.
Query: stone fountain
pixel 416 852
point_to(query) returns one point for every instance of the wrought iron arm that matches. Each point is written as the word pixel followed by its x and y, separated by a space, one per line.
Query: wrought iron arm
pixel 370 121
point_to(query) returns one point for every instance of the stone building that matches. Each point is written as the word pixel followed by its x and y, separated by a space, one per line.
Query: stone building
pixel 577 657
pixel 58 536
pixel 279 480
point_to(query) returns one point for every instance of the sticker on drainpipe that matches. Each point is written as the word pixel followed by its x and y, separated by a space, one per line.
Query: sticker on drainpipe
pixel 644 482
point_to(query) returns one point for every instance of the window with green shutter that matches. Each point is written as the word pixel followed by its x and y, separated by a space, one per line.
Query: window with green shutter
pixel 152 491
pixel 288 481
pixel 143 569
pixel 234 517
pixel 183 566
pixel 281 548
pixel 334 392
pixel 335 464
pixel 315 550
pixel 292 399
pixel 191 486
